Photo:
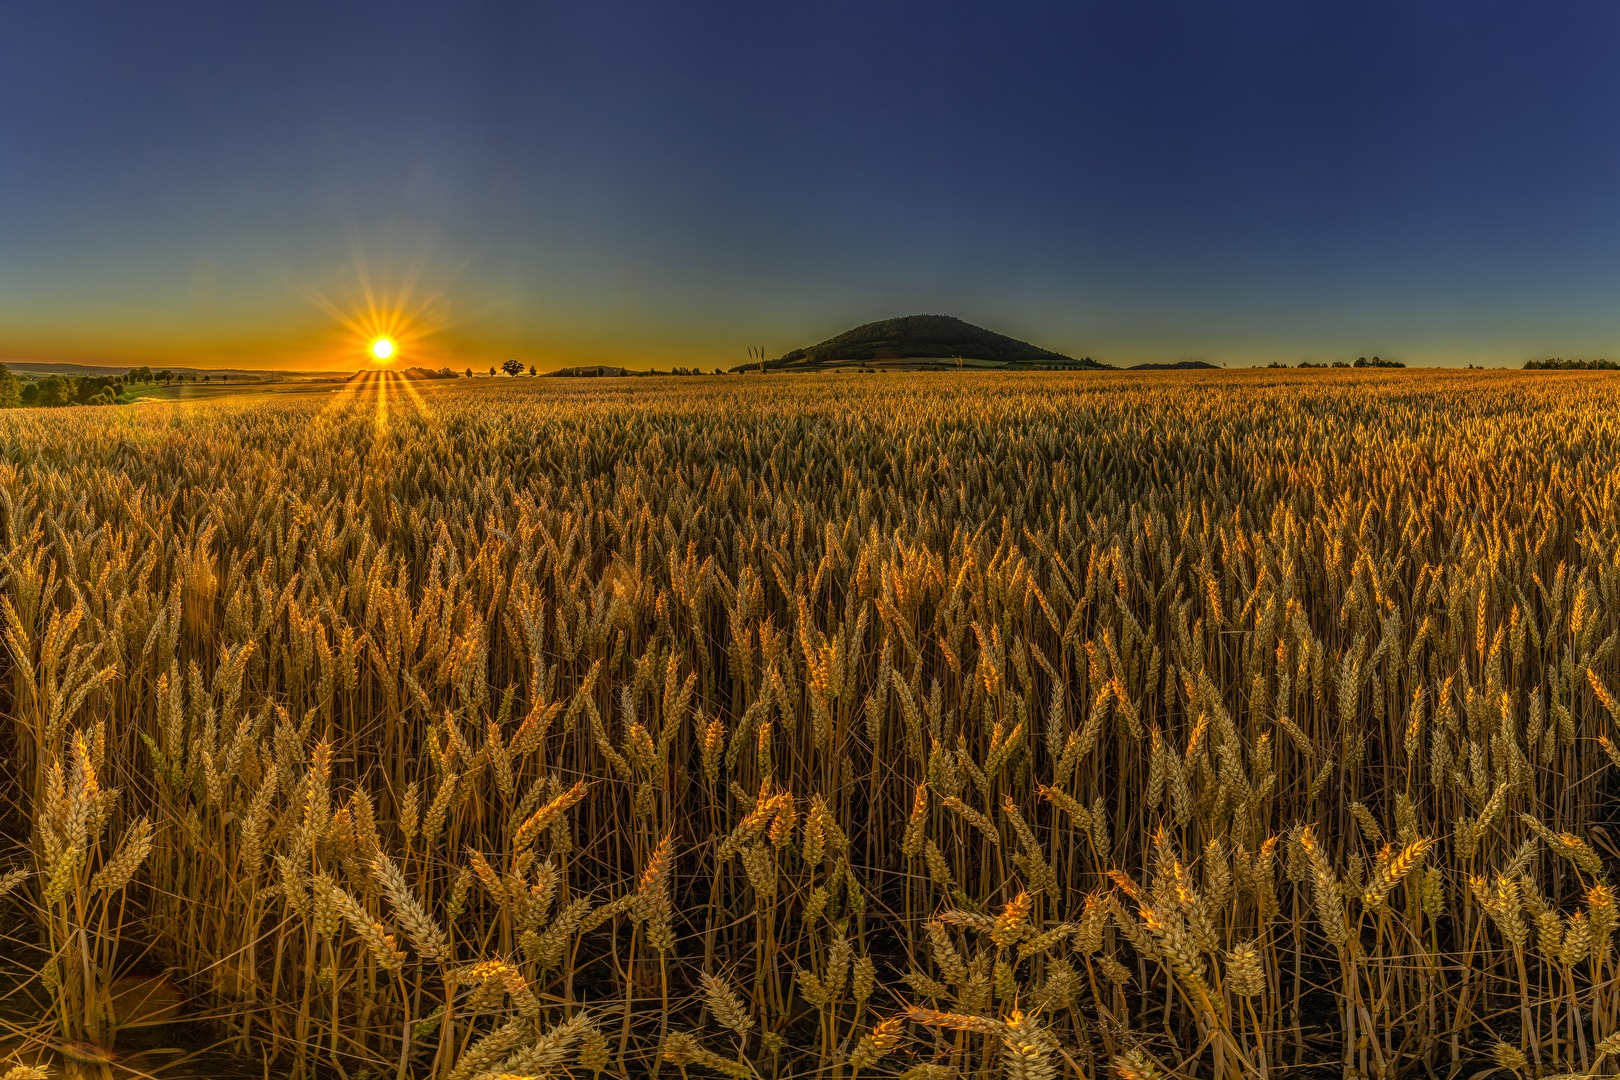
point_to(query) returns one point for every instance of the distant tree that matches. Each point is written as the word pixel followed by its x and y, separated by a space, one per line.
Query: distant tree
pixel 513 368
pixel 469 373
pixel 10 389
pixel 492 371
pixel 1361 361
pixel 53 391
pixel 95 389
pixel 531 370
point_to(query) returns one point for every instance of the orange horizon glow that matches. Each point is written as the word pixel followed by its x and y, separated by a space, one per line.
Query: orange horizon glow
pixel 377 319
pixel 355 320
pixel 338 327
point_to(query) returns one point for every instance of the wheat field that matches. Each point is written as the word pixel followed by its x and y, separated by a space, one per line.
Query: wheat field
pixel 1037 726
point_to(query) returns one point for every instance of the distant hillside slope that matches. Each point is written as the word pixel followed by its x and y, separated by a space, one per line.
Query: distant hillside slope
pixel 920 341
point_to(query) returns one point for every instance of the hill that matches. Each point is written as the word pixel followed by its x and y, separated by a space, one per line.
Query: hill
pixel 920 341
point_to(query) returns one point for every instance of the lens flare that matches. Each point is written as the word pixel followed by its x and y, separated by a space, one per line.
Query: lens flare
pixel 383 322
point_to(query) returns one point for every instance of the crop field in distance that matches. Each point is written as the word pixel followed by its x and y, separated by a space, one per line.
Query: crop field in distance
pixel 1229 725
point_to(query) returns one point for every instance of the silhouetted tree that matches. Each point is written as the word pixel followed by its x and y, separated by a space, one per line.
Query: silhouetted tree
pixel 511 367
pixel 531 369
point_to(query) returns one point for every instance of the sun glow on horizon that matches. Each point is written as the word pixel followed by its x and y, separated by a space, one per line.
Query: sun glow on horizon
pixel 381 320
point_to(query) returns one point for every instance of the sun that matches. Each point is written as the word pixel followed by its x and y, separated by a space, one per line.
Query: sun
pixel 382 348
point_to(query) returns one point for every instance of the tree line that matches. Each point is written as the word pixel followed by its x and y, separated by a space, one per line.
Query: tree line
pixel 53 391
pixel 1360 362
pixel 1558 363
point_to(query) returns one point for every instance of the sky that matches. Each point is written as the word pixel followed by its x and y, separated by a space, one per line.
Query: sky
pixel 657 184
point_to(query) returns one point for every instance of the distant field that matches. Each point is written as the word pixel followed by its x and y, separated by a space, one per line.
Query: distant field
pixel 211 392
pixel 1183 723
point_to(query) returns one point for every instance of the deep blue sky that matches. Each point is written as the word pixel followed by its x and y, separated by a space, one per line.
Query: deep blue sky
pixel 670 183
